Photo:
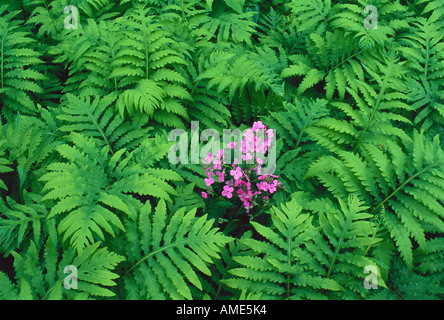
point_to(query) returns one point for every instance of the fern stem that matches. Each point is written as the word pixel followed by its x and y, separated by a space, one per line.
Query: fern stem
pixel 373 236
pixel 50 16
pixel 299 139
pixel 402 185
pixel 399 293
pixel 192 92
pixel 179 167
pixel 348 58
pixel 183 12
pixel 338 247
pixel 288 286
pixel 289 265
pixel 228 267
pixel 112 59
pixel 427 60
pixel 375 107
pixel 146 53
pixel 3 57
pixel 44 297
pixel 155 252
pixel 100 130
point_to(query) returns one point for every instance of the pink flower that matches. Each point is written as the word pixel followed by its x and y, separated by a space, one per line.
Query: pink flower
pixel 271 188
pixel 258 125
pixel 256 140
pixel 208 158
pixel 227 191
pixel 220 175
pixel 249 135
pixel 244 146
pixel 209 181
pixel 236 173
pixel 234 162
pixel 220 154
pixel 262 185
pixel 217 165
pixel 247 156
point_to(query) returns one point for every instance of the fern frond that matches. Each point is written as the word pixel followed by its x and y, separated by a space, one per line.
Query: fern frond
pixel 18 77
pixel 96 118
pixel 20 222
pixel 295 262
pixel 94 184
pixel 176 251
pixel 379 107
pixel 41 275
pixel 334 58
pixel 29 141
pixel 307 16
pixel 384 178
pixel 228 25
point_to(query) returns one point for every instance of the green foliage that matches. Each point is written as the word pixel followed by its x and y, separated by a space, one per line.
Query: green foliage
pixel 86 178
pixel 21 221
pixel 296 262
pixel 169 251
pixel 40 279
pixel 95 182
pixel 19 79
pixel 406 194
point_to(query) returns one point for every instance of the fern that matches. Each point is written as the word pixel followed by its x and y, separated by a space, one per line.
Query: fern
pixel 425 88
pixel 390 19
pixel 307 16
pixel 432 9
pixel 175 250
pixel 145 56
pixel 133 62
pixel 384 179
pixel 295 262
pixel 44 278
pixel 407 285
pixel 21 222
pixel 298 115
pixel 427 102
pixel 94 183
pixel 29 142
pixel 97 119
pixel 379 107
pixel 4 164
pixel 187 198
pixel 275 32
pixel 232 73
pixel 86 174
pixel 334 59
pixel 299 150
pixel 226 25
pixel 248 79
pixel 18 76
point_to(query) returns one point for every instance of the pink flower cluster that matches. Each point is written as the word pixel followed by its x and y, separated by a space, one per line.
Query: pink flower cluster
pixel 246 182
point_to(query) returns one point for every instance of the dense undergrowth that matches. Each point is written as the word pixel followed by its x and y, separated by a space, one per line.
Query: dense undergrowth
pixel 87 187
